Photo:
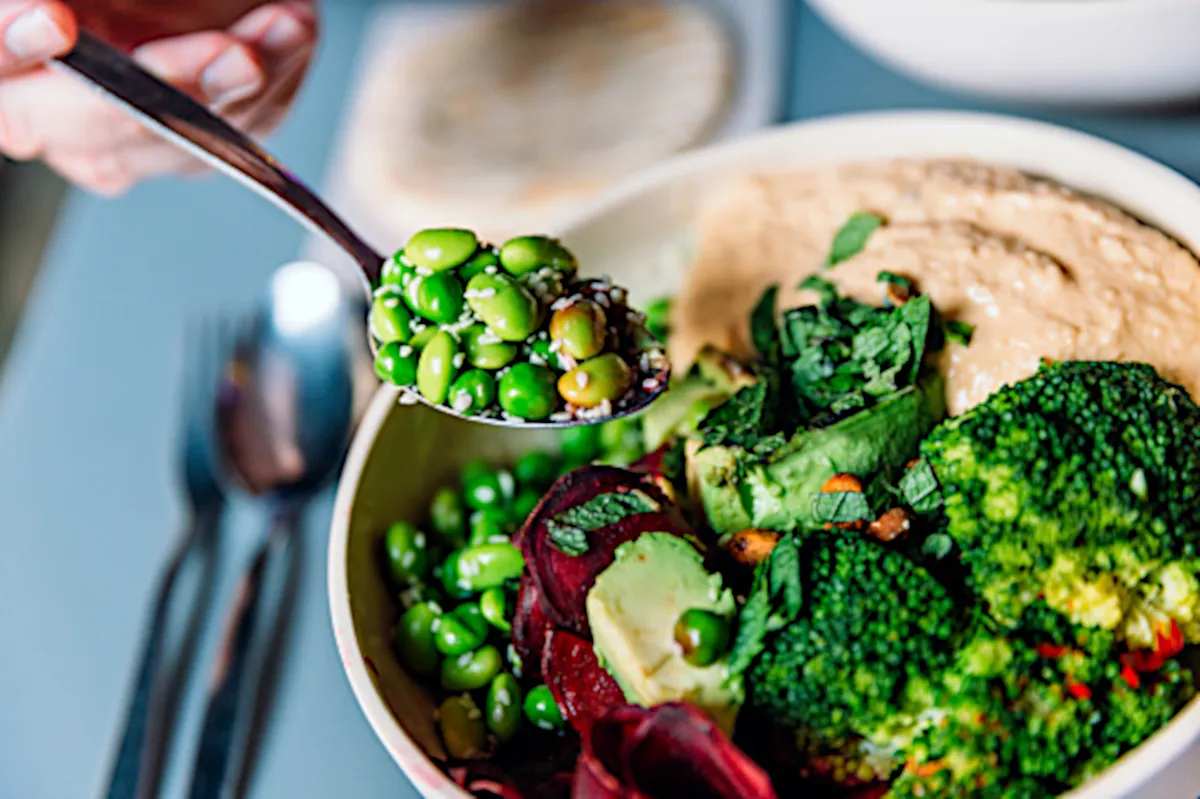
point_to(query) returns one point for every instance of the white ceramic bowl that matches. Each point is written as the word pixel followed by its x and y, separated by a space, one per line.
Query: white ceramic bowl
pixel 401 454
pixel 1069 52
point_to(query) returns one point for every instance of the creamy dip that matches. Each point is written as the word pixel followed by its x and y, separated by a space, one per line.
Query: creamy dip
pixel 1038 269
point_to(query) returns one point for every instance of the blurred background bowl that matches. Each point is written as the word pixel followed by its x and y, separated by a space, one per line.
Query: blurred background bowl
pixel 1070 53
pixel 640 234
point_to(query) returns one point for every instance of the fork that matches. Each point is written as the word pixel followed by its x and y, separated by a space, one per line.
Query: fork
pixel 159 680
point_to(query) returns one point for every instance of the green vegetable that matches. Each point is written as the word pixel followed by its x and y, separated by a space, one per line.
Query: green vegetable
pixel 568 530
pixel 580 444
pixel 478 263
pixel 396 363
pixel 396 272
pixel 487 525
pixel 504 707
pixel 489 565
pixel 390 319
pixel 528 392
pixel 485 350
pixel 542 710
pixel 450 579
pixel 763 330
pixel 528 253
pixel 841 506
pixel 407 552
pixel 472 392
pixel 507 308
pixel 436 368
pixel 495 607
pixel 462 726
pixel 774 600
pixel 658 318
pixel 439 249
pixel 471 670
pixel 461 630
pixel 604 378
pixel 485 487
pixel 919 488
pixel 536 469
pixel 422 336
pixel 959 332
pixel 437 297
pixel 447 517
pixel 581 329
pixel 702 636
pixel 542 353
pixel 413 639
pixel 852 237
pixel 524 504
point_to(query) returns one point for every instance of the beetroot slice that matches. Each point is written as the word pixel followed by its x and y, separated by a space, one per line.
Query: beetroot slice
pixel 673 750
pixel 564 580
pixel 579 684
pixel 652 462
pixel 529 628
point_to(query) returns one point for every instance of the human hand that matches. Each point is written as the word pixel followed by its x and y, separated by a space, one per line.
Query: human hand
pixel 242 58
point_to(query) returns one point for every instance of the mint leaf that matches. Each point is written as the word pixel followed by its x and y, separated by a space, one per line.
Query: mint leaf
pixel 937 545
pixel 739 422
pixel 852 237
pixel 894 279
pixel 841 506
pixel 919 488
pixel 822 286
pixel 763 330
pixel 775 600
pixel 568 530
pixel 960 332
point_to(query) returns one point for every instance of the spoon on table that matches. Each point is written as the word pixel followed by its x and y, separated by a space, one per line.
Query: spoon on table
pixel 284 416
pixel 181 120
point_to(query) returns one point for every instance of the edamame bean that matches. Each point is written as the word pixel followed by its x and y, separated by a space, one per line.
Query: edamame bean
pixel 479 262
pixel 703 636
pixel 407 552
pixel 527 392
pixel 423 336
pixel 396 271
pixel 472 391
pixel 580 444
pixel 527 253
pixel 504 707
pixel 508 309
pixel 482 486
pixel 447 516
pixel 439 249
pixel 413 639
pixel 581 329
pixel 489 565
pixel 604 378
pixel 487 525
pixel 542 710
pixel 471 670
pixel 658 318
pixel 436 369
pixel 543 353
pixel 396 363
pixel 464 731
pixel 485 349
pixel 535 470
pixel 496 608
pixel 523 505
pixel 461 630
pixel 449 576
pixel 390 318
pixel 437 297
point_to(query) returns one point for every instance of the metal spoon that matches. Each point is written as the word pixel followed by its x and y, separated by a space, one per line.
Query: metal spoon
pixel 284 418
pixel 181 120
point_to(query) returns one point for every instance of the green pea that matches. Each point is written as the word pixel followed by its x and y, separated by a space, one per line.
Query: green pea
pixel 484 487
pixel 527 253
pixel 658 318
pixel 461 630
pixel 542 710
pixel 396 271
pixel 487 525
pixel 396 363
pixel 581 329
pixel 407 552
pixel 528 392
pixel 449 576
pixel 496 608
pixel 489 565
pixel 471 670
pixel 508 309
pixel 484 348
pixel 464 731
pixel 543 353
pixel 580 444
pixel 703 636
pixel 436 369
pixel 604 378
pixel 535 469
pixel 504 707
pixel 413 639
pixel 523 505
pixel 437 297
pixel 478 263
pixel 472 392
pixel 439 249
pixel 390 318
pixel 447 516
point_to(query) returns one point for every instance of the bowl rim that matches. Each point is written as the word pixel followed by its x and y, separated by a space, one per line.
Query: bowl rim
pixel 1137 766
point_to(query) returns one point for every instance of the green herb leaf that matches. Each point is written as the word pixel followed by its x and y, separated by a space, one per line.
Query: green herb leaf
pixel 959 332
pixel 763 330
pixel 841 506
pixel 919 488
pixel 852 237
pixel 775 599
pixel 894 279
pixel 741 421
pixel 568 530
pixel 822 286
pixel 937 545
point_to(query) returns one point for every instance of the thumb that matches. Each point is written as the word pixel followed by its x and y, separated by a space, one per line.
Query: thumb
pixel 32 32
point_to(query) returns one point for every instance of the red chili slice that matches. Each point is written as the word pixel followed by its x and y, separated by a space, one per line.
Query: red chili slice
pixel 1078 690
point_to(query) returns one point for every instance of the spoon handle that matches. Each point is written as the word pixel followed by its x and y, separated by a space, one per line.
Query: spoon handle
pixel 181 120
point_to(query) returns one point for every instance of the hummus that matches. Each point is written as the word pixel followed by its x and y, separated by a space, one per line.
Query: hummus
pixel 1039 270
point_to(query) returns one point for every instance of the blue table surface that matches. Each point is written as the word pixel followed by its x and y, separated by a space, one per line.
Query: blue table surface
pixel 88 501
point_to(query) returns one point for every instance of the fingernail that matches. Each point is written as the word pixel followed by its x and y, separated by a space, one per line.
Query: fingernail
pixel 285 33
pixel 232 77
pixel 34 35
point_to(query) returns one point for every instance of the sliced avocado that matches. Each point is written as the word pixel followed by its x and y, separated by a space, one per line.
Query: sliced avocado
pixel 777 494
pixel 632 610
pixel 713 378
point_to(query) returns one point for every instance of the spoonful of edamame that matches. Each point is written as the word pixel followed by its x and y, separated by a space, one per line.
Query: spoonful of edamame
pixel 506 335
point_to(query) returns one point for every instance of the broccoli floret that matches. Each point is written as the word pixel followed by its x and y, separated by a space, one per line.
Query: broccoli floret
pixel 874 630
pixel 1081 485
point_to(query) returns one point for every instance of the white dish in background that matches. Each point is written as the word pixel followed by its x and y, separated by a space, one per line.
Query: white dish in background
pixel 1083 53
pixel 637 233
